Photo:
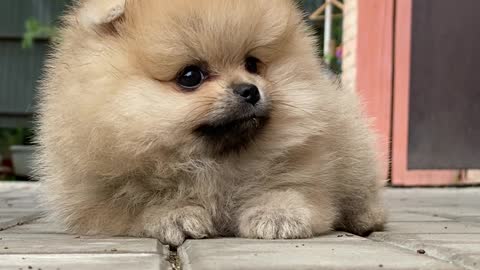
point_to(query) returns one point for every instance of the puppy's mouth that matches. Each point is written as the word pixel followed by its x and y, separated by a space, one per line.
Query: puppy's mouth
pixel 236 126
pixel 229 135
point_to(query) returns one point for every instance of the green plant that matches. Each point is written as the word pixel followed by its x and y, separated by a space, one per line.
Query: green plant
pixel 18 136
pixel 35 30
pixel 334 60
pixel 337 35
pixel 9 137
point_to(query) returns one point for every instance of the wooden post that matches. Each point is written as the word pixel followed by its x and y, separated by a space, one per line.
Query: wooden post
pixel 327 36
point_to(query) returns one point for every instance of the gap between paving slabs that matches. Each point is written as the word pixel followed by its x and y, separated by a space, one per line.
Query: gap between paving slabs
pixel 174 259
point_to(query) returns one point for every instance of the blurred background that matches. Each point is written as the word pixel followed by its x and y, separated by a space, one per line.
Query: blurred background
pixel 414 63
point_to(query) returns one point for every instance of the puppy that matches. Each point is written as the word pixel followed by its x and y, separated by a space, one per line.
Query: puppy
pixel 193 119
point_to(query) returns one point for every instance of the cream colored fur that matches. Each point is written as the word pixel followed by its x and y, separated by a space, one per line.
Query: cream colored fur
pixel 117 152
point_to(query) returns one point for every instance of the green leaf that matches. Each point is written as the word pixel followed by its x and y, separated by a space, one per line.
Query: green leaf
pixel 34 30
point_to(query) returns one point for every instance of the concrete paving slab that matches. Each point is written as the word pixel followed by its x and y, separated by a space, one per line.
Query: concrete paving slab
pixel 36 227
pixel 318 253
pixel 469 261
pixel 18 211
pixel 17 201
pixel 439 197
pixel 405 216
pixel 432 193
pixel 449 211
pixel 434 237
pixel 9 186
pixel 10 221
pixel 84 261
pixel 469 219
pixel 461 249
pixel 432 227
pixel 32 244
pixel 13 236
pixel 24 193
pixel 17 205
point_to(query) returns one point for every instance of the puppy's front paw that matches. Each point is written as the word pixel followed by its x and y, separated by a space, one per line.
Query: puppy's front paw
pixel 173 226
pixel 275 223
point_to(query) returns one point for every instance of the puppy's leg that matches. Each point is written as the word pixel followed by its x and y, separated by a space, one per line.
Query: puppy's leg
pixel 284 214
pixel 363 218
pixel 172 225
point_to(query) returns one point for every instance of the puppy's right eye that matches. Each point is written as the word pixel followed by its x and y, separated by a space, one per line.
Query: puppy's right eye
pixel 251 64
pixel 191 77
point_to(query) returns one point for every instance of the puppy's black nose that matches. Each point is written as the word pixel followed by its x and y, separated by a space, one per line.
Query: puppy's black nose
pixel 248 92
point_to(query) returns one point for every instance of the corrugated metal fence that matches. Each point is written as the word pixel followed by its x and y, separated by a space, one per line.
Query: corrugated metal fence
pixel 21 68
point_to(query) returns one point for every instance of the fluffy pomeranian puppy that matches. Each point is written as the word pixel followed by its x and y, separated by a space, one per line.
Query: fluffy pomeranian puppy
pixel 193 119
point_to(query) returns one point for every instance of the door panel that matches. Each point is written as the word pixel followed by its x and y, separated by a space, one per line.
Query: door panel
pixel 444 121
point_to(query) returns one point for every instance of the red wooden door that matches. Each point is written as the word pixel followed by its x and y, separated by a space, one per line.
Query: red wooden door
pixel 383 80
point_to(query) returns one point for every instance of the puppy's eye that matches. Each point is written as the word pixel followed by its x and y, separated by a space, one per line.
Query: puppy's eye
pixel 251 64
pixel 191 77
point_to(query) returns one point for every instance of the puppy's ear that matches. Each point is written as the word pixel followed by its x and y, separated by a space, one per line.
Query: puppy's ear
pixel 97 13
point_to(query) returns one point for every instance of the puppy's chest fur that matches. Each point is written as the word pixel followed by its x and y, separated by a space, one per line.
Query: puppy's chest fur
pixel 219 190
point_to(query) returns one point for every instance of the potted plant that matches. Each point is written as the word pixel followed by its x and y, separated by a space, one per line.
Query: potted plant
pixel 17 143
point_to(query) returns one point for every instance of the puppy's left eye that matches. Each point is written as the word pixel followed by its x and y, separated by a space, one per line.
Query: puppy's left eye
pixel 251 64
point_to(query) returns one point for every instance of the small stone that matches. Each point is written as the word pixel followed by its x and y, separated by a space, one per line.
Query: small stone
pixel 380 265
pixel 340 235
pixel 420 251
pixel 303 245
pixel 77 237
pixel 19 223
pixel 349 235
pixel 435 215
pixel 296 246
pixel 113 249
pixel 5 248
pixel 30 267
pixel 446 227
